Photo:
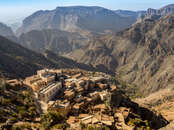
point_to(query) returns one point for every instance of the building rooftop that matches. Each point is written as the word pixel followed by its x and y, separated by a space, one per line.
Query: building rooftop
pixel 48 87
pixel 47 75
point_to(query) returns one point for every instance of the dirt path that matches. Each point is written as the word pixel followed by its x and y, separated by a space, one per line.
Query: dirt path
pixel 44 106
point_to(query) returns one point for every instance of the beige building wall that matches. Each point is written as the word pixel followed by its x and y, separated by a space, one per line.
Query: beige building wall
pixel 47 95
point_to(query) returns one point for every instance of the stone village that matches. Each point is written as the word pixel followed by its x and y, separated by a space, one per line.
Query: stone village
pixel 84 97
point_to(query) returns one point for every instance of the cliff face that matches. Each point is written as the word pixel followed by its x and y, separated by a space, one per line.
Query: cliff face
pixel 66 29
pixel 127 13
pixel 169 9
pixel 156 13
pixel 142 54
pixel 76 18
pixel 60 42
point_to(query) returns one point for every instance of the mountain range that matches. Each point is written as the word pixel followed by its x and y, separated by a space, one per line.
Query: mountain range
pixel 60 42
pixel 138 53
pixel 67 29
pixel 128 13
pixel 141 54
pixel 76 18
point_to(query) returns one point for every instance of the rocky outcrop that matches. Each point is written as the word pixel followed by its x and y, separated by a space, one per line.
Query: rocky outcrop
pixel 128 110
pixel 156 13
pixel 127 13
pixel 169 9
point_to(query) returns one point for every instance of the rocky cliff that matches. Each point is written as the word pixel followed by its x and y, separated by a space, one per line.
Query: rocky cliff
pixel 76 18
pixel 169 9
pixel 59 42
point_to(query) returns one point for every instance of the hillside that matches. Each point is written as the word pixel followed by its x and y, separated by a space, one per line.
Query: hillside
pixel 16 105
pixel 60 42
pixel 5 30
pixel 16 61
pixel 76 19
pixel 141 54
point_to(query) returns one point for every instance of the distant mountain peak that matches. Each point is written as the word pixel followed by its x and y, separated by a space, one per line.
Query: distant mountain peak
pixel 76 19
pixel 79 6
pixel 168 6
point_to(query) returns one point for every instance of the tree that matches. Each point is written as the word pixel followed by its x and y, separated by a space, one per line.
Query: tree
pixel 50 119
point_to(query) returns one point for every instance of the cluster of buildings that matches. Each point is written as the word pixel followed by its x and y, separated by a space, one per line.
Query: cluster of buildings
pixel 45 84
pixel 84 98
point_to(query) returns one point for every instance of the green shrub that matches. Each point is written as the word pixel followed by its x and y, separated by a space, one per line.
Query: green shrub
pixel 14 115
pixel 13 119
pixel 50 119
pixel 19 108
pixel 22 113
pixel 93 74
pixel 139 123
pixel 82 125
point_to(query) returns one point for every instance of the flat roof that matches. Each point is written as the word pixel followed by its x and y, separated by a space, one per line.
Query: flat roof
pixel 48 75
pixel 48 87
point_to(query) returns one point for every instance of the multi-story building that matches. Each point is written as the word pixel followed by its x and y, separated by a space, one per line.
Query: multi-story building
pixel 46 75
pixel 47 93
pixel 45 84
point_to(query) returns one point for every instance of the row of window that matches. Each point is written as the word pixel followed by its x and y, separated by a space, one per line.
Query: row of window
pixel 51 92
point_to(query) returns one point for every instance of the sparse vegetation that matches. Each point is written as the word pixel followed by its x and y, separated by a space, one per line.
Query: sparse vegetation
pixel 138 123
pixel 129 90
pixel 51 119
pixel 13 105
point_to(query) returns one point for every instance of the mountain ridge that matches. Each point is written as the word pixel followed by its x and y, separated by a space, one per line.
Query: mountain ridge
pixel 139 54
pixel 76 18
pixel 168 9
pixel 15 60
pixel 60 42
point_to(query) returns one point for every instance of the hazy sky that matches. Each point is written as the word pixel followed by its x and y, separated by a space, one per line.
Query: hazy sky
pixel 15 10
